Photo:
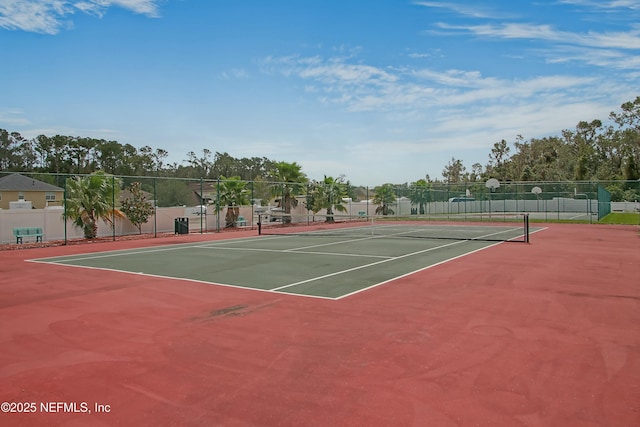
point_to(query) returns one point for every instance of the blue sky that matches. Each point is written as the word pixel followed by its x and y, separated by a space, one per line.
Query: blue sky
pixel 375 90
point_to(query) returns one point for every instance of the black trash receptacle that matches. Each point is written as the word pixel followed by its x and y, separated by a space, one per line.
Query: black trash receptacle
pixel 181 226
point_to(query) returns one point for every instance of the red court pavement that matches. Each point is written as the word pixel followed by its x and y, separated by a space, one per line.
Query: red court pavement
pixel 545 334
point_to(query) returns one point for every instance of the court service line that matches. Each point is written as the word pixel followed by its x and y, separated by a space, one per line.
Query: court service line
pixel 365 266
pixel 330 244
pixel 186 279
pixel 64 260
pixel 294 251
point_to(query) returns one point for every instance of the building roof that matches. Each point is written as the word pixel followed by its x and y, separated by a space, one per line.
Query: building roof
pixel 17 182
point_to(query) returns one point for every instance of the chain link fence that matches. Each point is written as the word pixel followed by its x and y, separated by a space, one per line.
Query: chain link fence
pixel 66 207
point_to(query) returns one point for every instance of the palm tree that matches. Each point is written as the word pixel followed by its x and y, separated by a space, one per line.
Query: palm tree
pixel 328 195
pixel 385 196
pixel 232 194
pixel 90 199
pixel 291 182
pixel 419 194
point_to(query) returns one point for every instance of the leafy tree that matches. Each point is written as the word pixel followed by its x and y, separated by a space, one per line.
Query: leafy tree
pixel 454 171
pixel 16 153
pixel 385 196
pixel 261 191
pixel 114 157
pixel 629 116
pixel 137 208
pixel 201 166
pixel 233 193
pixel 90 199
pixel 225 165
pixel 498 159
pixel 172 192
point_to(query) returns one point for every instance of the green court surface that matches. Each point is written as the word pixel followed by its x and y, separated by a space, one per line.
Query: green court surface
pixel 308 265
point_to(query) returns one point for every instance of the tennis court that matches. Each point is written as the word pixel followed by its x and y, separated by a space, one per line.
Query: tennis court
pixel 324 260
pixel 513 334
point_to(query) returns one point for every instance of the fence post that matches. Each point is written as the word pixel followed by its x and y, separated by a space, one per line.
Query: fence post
pixel 113 207
pixel 155 208
pixel 218 205
pixel 201 206
pixel 64 212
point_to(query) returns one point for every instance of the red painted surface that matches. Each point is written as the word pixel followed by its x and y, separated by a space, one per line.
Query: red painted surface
pixel 545 334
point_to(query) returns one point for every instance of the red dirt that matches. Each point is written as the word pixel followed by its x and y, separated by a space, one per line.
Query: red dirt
pixel 545 334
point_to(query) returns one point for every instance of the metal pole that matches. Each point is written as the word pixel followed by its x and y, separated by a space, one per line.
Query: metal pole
pixel 218 206
pixel 113 206
pixel 64 215
pixel 155 209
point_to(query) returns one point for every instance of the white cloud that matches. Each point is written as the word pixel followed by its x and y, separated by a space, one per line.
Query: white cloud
pixel 462 9
pixel 13 117
pixel 49 16
pixel 622 40
pixel 235 73
pixel 602 5
pixel 36 16
pixel 360 88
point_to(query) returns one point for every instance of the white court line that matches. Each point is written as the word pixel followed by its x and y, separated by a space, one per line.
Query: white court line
pixel 578 216
pixel 103 255
pixel 427 267
pixel 415 271
pixel 365 266
pixel 121 252
pixel 157 276
pixel 216 244
pixel 295 251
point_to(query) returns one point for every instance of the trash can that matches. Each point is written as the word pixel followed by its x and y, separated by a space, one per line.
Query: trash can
pixel 181 226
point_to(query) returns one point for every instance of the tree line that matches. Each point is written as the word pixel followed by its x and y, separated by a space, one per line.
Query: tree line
pixel 592 151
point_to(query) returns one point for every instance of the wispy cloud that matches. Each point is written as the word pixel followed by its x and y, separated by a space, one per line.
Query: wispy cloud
pixel 602 5
pixel 359 87
pixel 467 10
pixel 13 116
pixel 622 40
pixel 606 49
pixel 332 71
pixel 235 73
pixel 50 16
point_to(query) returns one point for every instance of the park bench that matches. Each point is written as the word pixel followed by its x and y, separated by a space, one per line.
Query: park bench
pixel 241 221
pixel 21 232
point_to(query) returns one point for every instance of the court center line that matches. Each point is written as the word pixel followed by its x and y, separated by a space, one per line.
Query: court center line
pixel 365 266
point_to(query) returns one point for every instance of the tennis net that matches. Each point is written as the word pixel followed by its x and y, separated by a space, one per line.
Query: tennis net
pixel 393 227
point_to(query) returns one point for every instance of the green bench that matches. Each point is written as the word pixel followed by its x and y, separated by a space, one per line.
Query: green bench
pixel 21 232
pixel 241 222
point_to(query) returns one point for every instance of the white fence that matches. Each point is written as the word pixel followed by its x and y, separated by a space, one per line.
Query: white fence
pixel 53 226
pixel 625 206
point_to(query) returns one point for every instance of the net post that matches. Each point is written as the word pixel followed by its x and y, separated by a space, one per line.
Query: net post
pixel 259 224
pixel 526 228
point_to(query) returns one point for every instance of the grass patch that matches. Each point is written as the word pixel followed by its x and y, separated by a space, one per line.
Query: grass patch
pixel 627 218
